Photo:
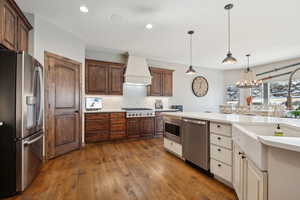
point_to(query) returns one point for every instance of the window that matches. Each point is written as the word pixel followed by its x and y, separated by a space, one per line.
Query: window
pixel 257 95
pixel 232 95
pixel 278 92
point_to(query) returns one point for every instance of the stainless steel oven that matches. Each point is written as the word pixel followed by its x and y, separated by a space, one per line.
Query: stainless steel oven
pixel 172 127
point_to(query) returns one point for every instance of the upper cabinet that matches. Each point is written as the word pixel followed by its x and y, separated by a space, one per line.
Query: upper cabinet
pixel 14 27
pixel 104 78
pixel 162 82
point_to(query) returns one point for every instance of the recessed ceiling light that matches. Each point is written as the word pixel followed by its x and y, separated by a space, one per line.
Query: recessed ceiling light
pixel 84 9
pixel 149 26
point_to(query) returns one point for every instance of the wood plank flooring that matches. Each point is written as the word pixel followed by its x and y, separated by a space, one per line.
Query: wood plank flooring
pixel 133 170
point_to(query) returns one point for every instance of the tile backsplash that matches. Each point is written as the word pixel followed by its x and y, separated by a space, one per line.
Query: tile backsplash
pixel 133 96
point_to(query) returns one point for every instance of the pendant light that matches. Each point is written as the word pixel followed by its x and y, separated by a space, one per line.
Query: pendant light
pixel 191 70
pixel 229 58
pixel 248 77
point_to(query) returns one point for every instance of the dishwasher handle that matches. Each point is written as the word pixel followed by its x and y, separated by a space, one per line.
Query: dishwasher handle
pixel 195 121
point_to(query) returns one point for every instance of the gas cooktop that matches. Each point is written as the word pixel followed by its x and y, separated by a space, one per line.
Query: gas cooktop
pixel 139 112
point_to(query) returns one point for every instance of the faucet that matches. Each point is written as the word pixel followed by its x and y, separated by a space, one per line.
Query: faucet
pixel 289 97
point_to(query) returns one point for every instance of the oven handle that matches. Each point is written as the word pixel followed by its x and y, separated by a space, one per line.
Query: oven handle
pixel 195 121
pixel 33 141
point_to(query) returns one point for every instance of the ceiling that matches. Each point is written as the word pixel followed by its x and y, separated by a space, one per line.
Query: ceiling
pixel 268 29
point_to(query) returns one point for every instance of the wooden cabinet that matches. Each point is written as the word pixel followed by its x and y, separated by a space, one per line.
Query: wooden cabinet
pixel 14 26
pixel 133 127
pixel 104 78
pixel 117 126
pixel 162 82
pixel 147 126
pixel 248 181
pixel 97 127
pixel 159 124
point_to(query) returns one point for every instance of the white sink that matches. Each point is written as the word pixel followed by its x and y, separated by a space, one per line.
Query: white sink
pixel 247 137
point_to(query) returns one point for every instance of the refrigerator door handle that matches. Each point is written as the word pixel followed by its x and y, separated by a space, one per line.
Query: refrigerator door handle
pixel 40 76
pixel 33 141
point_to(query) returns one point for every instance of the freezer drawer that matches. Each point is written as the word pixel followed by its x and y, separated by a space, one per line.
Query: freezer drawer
pixel 31 160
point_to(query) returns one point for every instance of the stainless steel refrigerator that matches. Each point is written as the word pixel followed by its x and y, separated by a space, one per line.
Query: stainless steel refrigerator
pixel 21 121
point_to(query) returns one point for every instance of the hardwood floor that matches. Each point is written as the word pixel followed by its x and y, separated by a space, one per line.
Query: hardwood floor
pixel 135 170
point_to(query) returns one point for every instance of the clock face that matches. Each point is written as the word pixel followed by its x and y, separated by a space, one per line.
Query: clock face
pixel 200 86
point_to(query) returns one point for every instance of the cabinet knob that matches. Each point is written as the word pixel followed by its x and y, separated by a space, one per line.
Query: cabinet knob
pixel 219 165
pixel 219 138
pixel 219 126
pixel 240 153
pixel 243 157
pixel 219 150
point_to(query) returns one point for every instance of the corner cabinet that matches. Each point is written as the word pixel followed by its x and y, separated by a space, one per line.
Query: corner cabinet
pixel 104 78
pixel 14 27
pixel 162 82
pixel 248 181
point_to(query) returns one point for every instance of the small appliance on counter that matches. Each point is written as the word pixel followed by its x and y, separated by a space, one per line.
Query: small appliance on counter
pixel 93 103
pixel 158 104
pixel 177 107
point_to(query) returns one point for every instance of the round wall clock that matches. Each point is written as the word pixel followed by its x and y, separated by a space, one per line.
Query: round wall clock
pixel 200 86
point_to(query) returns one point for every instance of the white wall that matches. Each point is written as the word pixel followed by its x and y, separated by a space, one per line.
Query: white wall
pixel 51 38
pixel 182 92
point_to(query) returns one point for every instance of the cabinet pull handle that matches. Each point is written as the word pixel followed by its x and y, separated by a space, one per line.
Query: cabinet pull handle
pixel 219 165
pixel 219 138
pixel 243 157
pixel 240 153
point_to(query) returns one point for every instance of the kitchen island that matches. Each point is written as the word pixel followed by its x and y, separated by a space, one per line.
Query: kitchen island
pixel 262 166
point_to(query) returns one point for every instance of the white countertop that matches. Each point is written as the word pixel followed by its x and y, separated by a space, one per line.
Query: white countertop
pixel 288 143
pixel 104 111
pixel 121 110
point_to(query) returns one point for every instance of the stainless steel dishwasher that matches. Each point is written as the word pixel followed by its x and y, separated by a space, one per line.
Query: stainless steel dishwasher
pixel 196 142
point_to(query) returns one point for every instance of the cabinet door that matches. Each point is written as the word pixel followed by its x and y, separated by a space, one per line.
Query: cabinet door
pixel 22 36
pixel 97 77
pixel 133 127
pixel 156 85
pixel 9 26
pixel 167 84
pixel 147 126
pixel 116 76
pixel 256 183
pixel 159 125
pixel 238 171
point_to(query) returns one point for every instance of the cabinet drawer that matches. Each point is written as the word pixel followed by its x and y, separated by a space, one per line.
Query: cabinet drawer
pixel 222 141
pixel 219 128
pixel 117 121
pixel 222 170
pixel 117 135
pixel 96 136
pixel 117 127
pixel 173 147
pixel 96 125
pixel 90 116
pixel 117 115
pixel 221 154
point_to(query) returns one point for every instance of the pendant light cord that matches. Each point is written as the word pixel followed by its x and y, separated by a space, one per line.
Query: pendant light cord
pixel 248 66
pixel 229 24
pixel 191 50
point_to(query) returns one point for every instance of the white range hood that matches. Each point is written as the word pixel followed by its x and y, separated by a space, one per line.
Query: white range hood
pixel 137 71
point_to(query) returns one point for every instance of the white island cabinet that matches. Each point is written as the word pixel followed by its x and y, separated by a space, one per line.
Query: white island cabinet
pixel 248 181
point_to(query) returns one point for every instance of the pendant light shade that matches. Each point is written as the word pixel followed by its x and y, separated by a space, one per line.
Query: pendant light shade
pixel 191 70
pixel 248 78
pixel 229 58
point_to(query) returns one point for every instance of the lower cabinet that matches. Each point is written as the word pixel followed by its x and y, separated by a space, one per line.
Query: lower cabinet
pixel 113 126
pixel 248 181
pixel 159 124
